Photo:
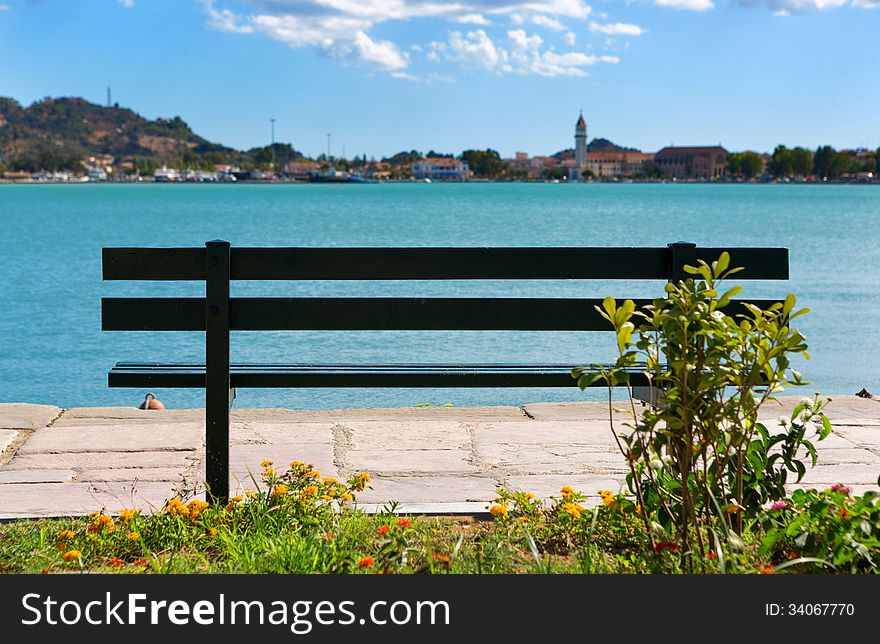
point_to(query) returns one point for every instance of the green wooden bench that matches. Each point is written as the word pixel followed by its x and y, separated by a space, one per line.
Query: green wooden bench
pixel 217 264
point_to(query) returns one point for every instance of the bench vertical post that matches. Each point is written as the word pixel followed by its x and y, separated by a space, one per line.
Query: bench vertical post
pixel 681 254
pixel 217 384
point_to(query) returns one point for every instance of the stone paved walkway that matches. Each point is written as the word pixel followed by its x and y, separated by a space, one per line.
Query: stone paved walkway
pixel 74 461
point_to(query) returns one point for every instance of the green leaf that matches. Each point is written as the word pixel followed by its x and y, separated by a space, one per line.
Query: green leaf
pixel 722 263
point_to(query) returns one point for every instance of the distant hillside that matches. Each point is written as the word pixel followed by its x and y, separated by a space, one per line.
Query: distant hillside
pixel 596 145
pixel 63 131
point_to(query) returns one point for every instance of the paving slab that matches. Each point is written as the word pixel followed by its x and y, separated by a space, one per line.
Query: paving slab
pixel 6 438
pixel 97 460
pixel 36 476
pixel 26 416
pixel 62 499
pixel 79 460
pixel 156 436
pixel 435 489
pixel 131 476
pixel 424 434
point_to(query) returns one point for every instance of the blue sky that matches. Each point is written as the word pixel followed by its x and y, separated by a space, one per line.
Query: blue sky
pixel 387 75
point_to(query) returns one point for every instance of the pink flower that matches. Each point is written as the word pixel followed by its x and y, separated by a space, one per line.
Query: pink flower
pixel 778 505
pixel 840 487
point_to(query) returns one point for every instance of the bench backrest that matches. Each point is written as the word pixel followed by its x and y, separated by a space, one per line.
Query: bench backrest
pixel 217 264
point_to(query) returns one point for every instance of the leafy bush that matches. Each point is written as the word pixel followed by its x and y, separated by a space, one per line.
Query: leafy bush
pixel 700 462
pixel 828 527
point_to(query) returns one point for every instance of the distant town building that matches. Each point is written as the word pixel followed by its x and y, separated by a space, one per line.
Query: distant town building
pixel 301 169
pixel 617 164
pixel 580 150
pixel 692 162
pixel 441 169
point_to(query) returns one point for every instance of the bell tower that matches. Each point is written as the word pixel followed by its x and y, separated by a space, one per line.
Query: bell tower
pixel 580 149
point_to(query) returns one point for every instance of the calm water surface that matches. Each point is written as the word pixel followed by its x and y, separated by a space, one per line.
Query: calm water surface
pixel 52 349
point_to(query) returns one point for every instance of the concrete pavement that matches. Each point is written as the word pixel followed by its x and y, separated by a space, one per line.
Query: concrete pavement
pixel 435 459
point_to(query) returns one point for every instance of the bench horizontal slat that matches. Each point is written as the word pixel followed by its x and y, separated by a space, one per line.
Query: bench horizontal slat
pixel 430 263
pixel 368 314
pixel 349 376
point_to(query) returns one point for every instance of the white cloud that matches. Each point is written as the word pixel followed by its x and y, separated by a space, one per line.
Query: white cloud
pixel 521 53
pixel 4 7
pixel 342 30
pixel 548 22
pixel 472 19
pixel 128 4
pixel 688 5
pixel 384 54
pixel 617 29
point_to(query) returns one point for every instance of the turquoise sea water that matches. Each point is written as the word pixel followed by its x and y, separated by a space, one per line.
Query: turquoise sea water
pixel 52 349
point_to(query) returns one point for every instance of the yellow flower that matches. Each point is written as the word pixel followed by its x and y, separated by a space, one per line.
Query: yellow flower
pixel 310 490
pixel 134 536
pixel 529 495
pixel 128 515
pixel 267 463
pixel 567 492
pixel 572 509
pixel 330 480
pixel 346 497
pixel 279 490
pixel 176 506
pixel 315 474
pixel 70 555
pixel 498 511
pixel 66 534
pixel 295 464
pixel 270 472
pixel 213 532
pixel 364 477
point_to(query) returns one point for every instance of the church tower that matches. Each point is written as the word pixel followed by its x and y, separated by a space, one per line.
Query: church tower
pixel 580 149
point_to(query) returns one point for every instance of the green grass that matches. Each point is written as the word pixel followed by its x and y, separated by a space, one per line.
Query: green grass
pixel 301 523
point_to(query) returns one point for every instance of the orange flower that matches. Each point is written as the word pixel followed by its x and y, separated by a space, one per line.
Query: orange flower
pixel 366 562
pixel 567 491
pixel 345 496
pixel 383 530
pixel 712 555
pixel 572 509
pixel 66 534
pixel 364 477
pixel 279 490
pixel 315 474
pixel 115 562
pixel 310 490
pixel 404 524
pixel 267 463
pixel 213 532
pixel 768 570
pixel 70 555
pixel 498 511
pixel 133 536
pixel 128 515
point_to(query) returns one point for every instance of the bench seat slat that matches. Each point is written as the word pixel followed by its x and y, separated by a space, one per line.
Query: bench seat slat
pixel 190 375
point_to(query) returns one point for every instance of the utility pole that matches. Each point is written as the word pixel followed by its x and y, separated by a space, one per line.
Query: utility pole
pixel 109 103
pixel 272 121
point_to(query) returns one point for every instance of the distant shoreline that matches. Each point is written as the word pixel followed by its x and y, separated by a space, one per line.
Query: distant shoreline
pixel 836 182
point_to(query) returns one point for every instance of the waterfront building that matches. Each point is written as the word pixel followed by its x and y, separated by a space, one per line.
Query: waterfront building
pixel 709 162
pixel 617 164
pixel 580 150
pixel 301 169
pixel 441 169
